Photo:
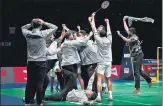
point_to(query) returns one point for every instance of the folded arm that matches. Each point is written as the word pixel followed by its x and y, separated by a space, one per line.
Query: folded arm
pixel 48 32
pixel 25 29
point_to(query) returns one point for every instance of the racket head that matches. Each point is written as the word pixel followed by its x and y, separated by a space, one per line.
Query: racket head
pixel 105 4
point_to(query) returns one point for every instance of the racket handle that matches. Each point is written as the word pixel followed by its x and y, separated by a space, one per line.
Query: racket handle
pixel 98 10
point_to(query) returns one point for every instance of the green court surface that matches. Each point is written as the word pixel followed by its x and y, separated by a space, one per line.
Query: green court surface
pixel 122 95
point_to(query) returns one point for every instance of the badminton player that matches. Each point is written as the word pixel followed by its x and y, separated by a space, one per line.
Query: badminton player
pixel 36 58
pixel 104 53
pixel 136 55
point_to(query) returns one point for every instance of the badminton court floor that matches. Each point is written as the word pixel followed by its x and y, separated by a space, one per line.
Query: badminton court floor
pixel 11 94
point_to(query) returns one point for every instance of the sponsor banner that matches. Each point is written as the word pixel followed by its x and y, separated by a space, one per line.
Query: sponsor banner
pixel 126 70
pixel 126 55
pixel 7 75
pixel 20 74
pixel 150 67
pixel 115 72
pixel 151 61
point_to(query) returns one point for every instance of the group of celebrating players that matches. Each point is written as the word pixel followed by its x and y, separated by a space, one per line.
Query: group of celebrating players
pixel 87 57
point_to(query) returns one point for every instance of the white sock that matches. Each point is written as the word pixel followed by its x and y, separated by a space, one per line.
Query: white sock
pixel 110 94
pixel 99 95
pixel 103 84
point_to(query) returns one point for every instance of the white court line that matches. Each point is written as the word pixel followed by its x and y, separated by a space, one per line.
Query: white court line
pixel 130 102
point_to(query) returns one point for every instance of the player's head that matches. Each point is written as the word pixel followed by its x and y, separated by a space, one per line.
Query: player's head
pixel 52 37
pixel 102 33
pixel 132 31
pixel 82 33
pixel 69 35
pixel 91 95
pixel 36 24
pixel 74 33
pixel 100 28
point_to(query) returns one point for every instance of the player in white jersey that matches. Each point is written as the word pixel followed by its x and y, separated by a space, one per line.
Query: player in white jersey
pixel 88 55
pixel 70 52
pixel 104 53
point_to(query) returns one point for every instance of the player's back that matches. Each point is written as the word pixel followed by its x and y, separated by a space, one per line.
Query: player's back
pixel 36 46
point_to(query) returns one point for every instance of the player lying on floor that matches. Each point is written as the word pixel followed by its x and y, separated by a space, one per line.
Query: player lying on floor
pixel 70 94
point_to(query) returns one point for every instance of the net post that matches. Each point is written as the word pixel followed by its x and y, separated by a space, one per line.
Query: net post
pixel 158 63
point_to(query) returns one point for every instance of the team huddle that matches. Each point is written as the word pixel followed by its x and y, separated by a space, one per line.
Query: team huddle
pixel 83 56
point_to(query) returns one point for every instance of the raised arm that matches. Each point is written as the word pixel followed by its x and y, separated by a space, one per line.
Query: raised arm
pixel 94 29
pixel 79 29
pixel 25 29
pixel 124 38
pixel 109 34
pixel 79 42
pixel 63 32
pixel 108 27
pixel 125 24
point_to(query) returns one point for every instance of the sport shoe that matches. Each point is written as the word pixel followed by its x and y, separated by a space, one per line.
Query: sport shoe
pixel 98 99
pixel 110 98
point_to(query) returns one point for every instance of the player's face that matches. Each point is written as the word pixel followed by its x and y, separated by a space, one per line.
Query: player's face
pixel 71 37
pixel 52 37
pixel 99 29
pixel 75 35
pixel 89 93
pixel 81 35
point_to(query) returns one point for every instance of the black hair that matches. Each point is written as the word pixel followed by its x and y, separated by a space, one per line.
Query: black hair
pixel 83 32
pixel 72 31
pixel 35 24
pixel 48 42
pixel 132 30
pixel 103 27
pixel 93 97
pixel 67 34
pixel 102 33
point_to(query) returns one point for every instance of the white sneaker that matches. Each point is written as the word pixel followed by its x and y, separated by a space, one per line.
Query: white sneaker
pixel 110 98
pixel 98 99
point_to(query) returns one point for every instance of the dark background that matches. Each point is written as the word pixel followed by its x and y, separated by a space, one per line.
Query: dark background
pixel 72 12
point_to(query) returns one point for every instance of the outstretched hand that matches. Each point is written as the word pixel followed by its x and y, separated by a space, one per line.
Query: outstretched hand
pixel 89 19
pixel 93 14
pixel 125 17
pixel 106 20
pixel 91 33
pixel 118 32
pixel 78 27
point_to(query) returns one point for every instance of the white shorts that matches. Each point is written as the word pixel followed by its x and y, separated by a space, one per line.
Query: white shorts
pixel 104 68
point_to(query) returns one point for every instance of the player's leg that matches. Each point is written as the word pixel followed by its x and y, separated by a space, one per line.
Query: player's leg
pixel 79 75
pixel 142 73
pixel 136 67
pixel 31 82
pixel 41 73
pixel 108 78
pixel 100 73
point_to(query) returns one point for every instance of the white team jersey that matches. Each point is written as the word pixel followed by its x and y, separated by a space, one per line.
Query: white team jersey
pixel 76 96
pixel 50 57
pixel 89 53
